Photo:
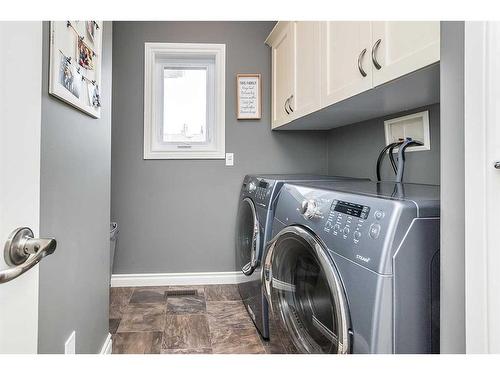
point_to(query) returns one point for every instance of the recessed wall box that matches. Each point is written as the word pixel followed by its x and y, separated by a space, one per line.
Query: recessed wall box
pixel 415 126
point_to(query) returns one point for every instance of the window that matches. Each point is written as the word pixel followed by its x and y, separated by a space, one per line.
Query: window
pixel 184 93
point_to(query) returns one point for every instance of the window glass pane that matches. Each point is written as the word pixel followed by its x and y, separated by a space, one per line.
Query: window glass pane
pixel 185 105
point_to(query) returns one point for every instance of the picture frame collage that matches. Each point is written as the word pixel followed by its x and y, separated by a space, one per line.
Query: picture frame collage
pixel 75 64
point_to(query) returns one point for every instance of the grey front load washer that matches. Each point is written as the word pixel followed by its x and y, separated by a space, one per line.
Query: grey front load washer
pixel 353 267
pixel 253 229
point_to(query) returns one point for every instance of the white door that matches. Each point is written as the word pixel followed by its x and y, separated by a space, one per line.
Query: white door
pixel 282 73
pixel 306 69
pixel 401 47
pixel 482 186
pixel 346 61
pixel 20 125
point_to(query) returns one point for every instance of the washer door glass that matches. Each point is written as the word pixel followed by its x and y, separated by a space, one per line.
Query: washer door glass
pixel 307 294
pixel 247 237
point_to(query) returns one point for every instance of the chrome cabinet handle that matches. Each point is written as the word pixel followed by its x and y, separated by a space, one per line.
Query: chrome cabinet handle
pixel 374 54
pixel 286 110
pixel 289 105
pixel 22 252
pixel 360 65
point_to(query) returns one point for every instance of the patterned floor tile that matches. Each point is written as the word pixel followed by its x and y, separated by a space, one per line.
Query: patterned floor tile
pixel 186 305
pixel 187 351
pixel 137 343
pixel 148 295
pixel 143 317
pixel 211 320
pixel 118 301
pixel 224 292
pixel 228 314
pixel 236 341
pixel 186 332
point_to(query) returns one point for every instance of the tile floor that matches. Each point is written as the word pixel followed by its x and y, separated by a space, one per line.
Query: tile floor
pixel 154 320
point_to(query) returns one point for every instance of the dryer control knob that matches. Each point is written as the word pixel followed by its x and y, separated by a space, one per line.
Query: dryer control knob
pixel 252 187
pixel 310 209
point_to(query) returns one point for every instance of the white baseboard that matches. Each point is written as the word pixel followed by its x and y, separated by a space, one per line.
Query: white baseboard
pixel 107 347
pixel 165 279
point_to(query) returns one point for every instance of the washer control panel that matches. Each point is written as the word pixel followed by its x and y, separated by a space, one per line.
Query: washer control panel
pixel 348 220
pixel 359 227
pixel 259 189
pixel 357 230
pixel 351 209
pixel 262 190
pixel 353 222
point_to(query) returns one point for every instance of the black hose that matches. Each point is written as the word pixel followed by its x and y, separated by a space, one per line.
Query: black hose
pixel 379 160
pixel 381 157
pixel 391 155
pixel 401 157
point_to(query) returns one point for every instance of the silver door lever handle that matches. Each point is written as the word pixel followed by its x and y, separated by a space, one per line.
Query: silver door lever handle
pixel 22 252
pixel 497 165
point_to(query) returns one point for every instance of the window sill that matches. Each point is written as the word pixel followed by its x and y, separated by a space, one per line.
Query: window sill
pixel 187 155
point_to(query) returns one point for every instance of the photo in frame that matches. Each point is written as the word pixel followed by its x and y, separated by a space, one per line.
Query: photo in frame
pixel 85 55
pixel 91 29
pixel 94 96
pixel 249 96
pixel 75 64
pixel 69 77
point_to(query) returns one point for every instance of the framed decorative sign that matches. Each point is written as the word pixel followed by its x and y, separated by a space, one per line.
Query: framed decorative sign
pixel 249 91
pixel 75 64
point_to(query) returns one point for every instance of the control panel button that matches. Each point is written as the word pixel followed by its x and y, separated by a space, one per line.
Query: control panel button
pixel 345 231
pixel 357 235
pixel 379 215
pixel 336 227
pixel 374 231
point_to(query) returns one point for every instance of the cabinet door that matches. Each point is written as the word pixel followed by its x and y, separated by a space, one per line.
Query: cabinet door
pixel 307 68
pixel 282 71
pixel 403 48
pixel 346 69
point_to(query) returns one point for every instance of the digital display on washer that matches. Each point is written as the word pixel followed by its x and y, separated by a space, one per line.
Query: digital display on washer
pixel 263 184
pixel 352 209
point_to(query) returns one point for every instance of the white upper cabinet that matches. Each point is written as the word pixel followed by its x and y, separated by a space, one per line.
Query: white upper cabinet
pixel 345 60
pixel 307 68
pixel 296 69
pixel 403 47
pixel 319 64
pixel 282 42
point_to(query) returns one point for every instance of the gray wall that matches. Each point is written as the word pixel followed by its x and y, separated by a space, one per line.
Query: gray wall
pixel 179 215
pixel 452 186
pixel 353 151
pixel 75 208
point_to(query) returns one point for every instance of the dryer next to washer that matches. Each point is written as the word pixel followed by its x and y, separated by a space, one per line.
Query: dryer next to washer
pixel 354 268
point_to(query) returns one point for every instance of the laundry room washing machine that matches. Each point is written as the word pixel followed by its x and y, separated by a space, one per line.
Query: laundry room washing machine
pixel 253 229
pixel 353 267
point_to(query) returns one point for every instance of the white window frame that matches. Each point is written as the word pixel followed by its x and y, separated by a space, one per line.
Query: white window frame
pixel 153 99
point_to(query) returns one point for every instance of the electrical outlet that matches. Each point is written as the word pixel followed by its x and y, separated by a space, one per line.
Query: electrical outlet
pixel 70 344
pixel 229 159
pixel 414 126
